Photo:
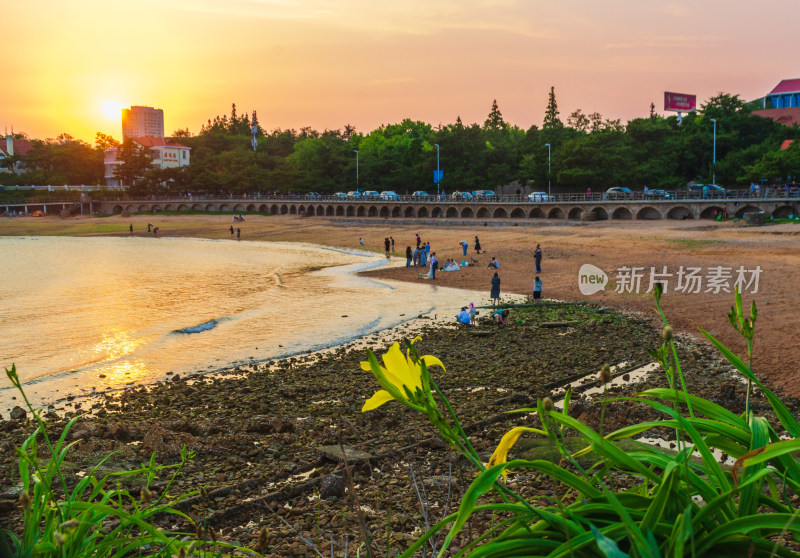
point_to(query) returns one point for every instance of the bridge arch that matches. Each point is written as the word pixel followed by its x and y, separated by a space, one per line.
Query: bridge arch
pixel 117 210
pixel 710 212
pixel 467 213
pixel 679 212
pixel 409 211
pixel 351 211
pixel 622 213
pixel 555 213
pixel 252 208
pixel 142 208
pixel 575 213
pixel 600 214
pixel 274 209
pixel 397 211
pixel 330 211
pixel 500 213
pixel 155 207
pixel 339 211
pixel 452 213
pixel 238 208
pixel 518 213
pixel 384 211
pixel 169 207
pixel 537 213
pixel 483 213
pixel 372 211
pixel 284 210
pixel 224 207
pixel 436 212
pixel 422 212
pixel 783 211
pixel 182 207
pixel 748 209
pixel 360 211
pixel 197 207
pixel 293 209
pixel 648 213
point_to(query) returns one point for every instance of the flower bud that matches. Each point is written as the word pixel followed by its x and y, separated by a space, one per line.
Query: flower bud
pixel 667 333
pixel 59 538
pixel 70 524
pixel 147 495
pixel 547 404
pixel 24 500
pixel 605 374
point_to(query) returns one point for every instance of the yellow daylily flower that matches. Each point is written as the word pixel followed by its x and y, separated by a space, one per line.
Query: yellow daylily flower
pixel 400 372
pixel 508 440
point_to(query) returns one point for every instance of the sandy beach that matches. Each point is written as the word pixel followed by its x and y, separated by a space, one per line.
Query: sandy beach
pixel 266 436
pixel 566 246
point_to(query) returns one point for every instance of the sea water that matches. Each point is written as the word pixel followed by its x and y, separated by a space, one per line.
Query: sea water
pixel 81 315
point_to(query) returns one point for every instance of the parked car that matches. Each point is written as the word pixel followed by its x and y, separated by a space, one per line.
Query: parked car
pixel 371 195
pixel 484 195
pixel 340 196
pixel 354 195
pixel 707 191
pixel 619 193
pixel 461 196
pixel 657 195
pixel 389 195
pixel 421 195
pixel 540 197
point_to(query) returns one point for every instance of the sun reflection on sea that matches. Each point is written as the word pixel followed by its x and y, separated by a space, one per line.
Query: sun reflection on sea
pixel 113 348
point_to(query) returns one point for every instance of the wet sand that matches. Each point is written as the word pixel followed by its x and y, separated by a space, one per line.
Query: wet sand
pixel 566 246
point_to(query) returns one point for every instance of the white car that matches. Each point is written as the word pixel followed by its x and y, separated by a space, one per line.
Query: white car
pixel 389 195
pixel 340 196
pixel 540 197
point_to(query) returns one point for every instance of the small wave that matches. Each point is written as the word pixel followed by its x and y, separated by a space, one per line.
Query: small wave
pixel 205 326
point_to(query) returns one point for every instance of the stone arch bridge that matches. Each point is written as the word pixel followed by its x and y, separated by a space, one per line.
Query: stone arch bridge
pixel 583 210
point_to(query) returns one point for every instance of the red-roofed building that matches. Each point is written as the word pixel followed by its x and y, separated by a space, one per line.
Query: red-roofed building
pixel 165 153
pixel 14 147
pixel 782 104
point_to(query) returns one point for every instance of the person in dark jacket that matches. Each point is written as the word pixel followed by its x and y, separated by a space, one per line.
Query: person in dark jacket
pixel 495 294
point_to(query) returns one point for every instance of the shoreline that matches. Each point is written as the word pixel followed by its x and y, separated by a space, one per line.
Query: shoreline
pixel 259 435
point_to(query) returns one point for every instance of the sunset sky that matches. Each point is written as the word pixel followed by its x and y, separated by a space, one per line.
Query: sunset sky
pixel 325 64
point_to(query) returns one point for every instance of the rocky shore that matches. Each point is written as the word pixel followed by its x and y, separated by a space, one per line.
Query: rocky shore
pixel 269 441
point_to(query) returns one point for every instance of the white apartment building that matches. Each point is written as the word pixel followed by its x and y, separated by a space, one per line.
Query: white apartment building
pixel 138 122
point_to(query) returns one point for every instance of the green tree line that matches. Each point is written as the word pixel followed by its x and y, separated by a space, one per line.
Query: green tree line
pixel 587 151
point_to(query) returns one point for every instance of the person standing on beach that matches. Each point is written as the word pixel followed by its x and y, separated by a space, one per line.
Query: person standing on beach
pixel 423 257
pixel 495 293
pixel 238 234
pixel 231 231
pixel 386 245
pixel 477 245
pixel 418 241
pixel 537 289
pixel 392 239
pixel 464 245
pixel 537 255
pixel 409 256
pixel 131 228
pixel 434 265
pixel 361 241
pixel 472 313
pixel 415 257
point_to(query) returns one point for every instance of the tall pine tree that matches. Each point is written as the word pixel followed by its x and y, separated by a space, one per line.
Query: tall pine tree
pixel 551 119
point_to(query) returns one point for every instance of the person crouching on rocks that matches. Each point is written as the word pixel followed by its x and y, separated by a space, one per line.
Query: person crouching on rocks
pixel 501 316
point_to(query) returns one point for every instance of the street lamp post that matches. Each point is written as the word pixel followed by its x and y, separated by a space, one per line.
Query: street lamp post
pixel 356 152
pixel 548 169
pixel 714 161
pixel 437 169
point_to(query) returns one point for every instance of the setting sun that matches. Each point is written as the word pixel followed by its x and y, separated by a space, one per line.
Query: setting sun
pixel 112 109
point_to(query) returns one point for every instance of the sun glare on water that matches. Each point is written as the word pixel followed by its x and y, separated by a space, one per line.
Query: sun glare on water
pixel 112 109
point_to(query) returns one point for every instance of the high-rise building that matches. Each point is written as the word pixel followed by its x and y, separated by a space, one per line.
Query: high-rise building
pixel 138 122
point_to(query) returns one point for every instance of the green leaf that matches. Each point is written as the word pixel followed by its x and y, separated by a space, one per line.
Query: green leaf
pixel 607 547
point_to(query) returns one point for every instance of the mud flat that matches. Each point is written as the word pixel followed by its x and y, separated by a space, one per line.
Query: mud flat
pixel 269 439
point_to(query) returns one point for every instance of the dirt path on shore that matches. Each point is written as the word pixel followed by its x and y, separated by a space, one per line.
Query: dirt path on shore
pixel 607 245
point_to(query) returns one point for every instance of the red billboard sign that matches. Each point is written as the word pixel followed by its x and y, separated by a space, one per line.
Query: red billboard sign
pixel 679 102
